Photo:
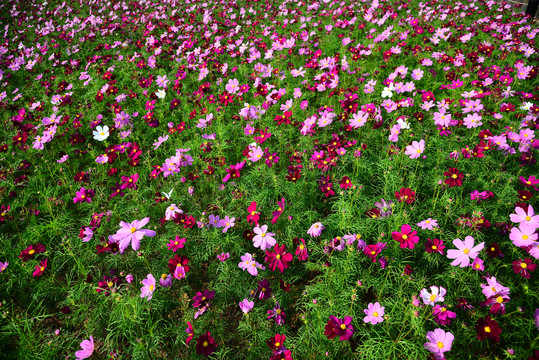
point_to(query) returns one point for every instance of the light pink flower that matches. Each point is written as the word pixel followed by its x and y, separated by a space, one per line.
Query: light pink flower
pixel 149 286
pixel 439 342
pixel 415 149
pixel 466 251
pixel 87 349
pixel 436 295
pixel 525 218
pixel 524 235
pixel 316 229
pixel 374 313
pixel 263 239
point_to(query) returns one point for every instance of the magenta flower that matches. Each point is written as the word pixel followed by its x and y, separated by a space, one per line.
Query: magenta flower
pixel 415 149
pixel 524 235
pixel 529 182
pixel 148 288
pixel 316 229
pixel 246 305
pixel 339 327
pixel 176 244
pixel 279 258
pixel 278 314
pixel 478 264
pixel 466 251
pixel 3 266
pixel 407 238
pixel 439 342
pixel 263 239
pixel 234 171
pixel 278 213
pixel 83 195
pixel 442 316
pixel 87 349
pixel 374 313
pixel 129 182
pixel 132 234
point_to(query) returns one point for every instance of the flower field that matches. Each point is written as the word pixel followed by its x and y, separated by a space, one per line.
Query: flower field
pixel 268 180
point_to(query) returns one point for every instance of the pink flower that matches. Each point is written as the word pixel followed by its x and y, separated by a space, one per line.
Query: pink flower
pixel 428 224
pixel 529 182
pixel 132 234
pixel 415 149
pixel 436 295
pixel 524 235
pixel 525 217
pixel 148 288
pixel 374 313
pixel 279 258
pixel 316 229
pixel 246 305
pixel 478 264
pixel 263 239
pixel 439 342
pixel 248 263
pixel 466 251
pixel 83 195
pixel 87 349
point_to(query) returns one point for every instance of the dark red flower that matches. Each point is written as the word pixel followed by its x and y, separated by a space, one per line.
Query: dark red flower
pixel 524 267
pixel 345 183
pixel 30 251
pixel 176 261
pixel 434 245
pixel 454 177
pixel 206 344
pixel 406 195
pixel 488 328
pixel 493 250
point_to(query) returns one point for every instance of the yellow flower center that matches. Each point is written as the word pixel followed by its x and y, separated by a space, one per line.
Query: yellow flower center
pixel 301 247
pixel 164 276
pixel 528 218
pixel 263 289
pixel 428 221
pixel 102 133
pixel 523 265
pixel 487 329
pixel 253 213
pixel 524 237
pixel 205 344
pixel 404 236
pixel 110 283
pixel 466 251
pixel 31 252
pixel 418 151
pixel 343 326
pixel 432 297
pixel 434 247
pixel 263 235
pixel 133 229
pixel 454 176
pixel 499 299
pixel 278 256
pixel 440 344
pixel 277 344
pixel 278 311
pixel 152 287
pixel 375 314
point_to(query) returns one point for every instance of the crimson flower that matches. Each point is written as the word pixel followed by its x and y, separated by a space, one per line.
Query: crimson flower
pixel 190 332
pixel 524 267
pixel 406 195
pixel 488 328
pixel 339 327
pixel 176 261
pixel 434 245
pixel 372 251
pixel 40 268
pixel 31 251
pixel 187 221
pixel 206 344
pixel 454 177
pixel 278 259
pixel 253 215
pixel 407 238
pixel 276 342
pixel 345 182
pixel 226 98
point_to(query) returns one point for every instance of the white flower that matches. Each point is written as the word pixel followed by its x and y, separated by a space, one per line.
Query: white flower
pixel 387 91
pixel 101 133
pixel 526 106
pixel 404 124
pixel 160 93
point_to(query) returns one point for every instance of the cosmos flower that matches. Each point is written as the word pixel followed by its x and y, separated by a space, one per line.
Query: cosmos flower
pixel 132 233
pixel 101 133
pixel 263 239
pixel 88 348
pixel 316 229
pixel 436 295
pixel 439 342
pixel 339 327
pixel 416 149
pixel 148 288
pixel 466 251
pixel 374 313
